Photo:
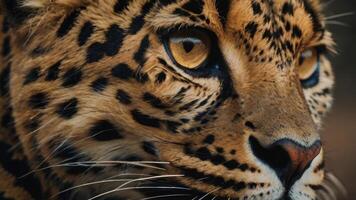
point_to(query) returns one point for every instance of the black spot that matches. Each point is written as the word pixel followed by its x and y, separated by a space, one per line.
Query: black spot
pixel 256 7
pixel 166 2
pixel 122 71
pixel 142 77
pixel 38 101
pixel 138 21
pixel 39 50
pixel 99 84
pixel 144 119
pixel 189 105
pixel 95 52
pixel 121 5
pixel 194 6
pixel 296 32
pixel 139 56
pixel 85 33
pixel 53 72
pixel 220 150
pixel 153 100
pixel 104 131
pixel 250 125
pixel 72 77
pixel 33 124
pixel 68 23
pixel 218 159
pixel 203 153
pixel 7 120
pixel 210 139
pixel 67 109
pixel 160 78
pixel 5 80
pixel 231 164
pixel 6 49
pixel 223 8
pixel 114 38
pixel 32 75
pixel 5 25
pixel 251 28
pixel 149 148
pixel 112 45
pixel 172 126
pixel 123 97
pixel 288 8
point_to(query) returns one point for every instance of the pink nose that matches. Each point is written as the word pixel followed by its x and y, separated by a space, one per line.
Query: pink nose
pixel 287 158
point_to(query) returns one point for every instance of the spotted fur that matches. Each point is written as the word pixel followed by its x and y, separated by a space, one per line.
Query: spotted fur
pixel 88 93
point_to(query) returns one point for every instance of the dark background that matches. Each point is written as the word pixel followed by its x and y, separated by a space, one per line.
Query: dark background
pixel 339 132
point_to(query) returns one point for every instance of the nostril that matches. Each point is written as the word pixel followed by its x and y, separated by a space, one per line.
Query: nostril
pixel 287 158
pixel 275 157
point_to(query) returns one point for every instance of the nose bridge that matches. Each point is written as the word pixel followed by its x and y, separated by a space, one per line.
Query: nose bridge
pixel 275 103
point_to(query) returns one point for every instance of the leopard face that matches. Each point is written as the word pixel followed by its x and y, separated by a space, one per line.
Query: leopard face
pixel 175 99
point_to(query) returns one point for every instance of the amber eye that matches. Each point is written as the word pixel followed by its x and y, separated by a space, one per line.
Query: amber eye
pixel 189 48
pixel 308 68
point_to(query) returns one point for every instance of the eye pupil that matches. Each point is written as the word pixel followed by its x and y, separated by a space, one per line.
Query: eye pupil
pixel 188 46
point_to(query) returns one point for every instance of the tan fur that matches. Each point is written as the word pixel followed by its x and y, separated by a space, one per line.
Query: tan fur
pixel 267 84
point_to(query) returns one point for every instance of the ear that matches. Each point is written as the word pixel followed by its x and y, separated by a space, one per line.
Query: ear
pixel 19 10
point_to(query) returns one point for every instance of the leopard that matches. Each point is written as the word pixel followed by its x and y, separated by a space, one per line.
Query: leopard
pixel 164 99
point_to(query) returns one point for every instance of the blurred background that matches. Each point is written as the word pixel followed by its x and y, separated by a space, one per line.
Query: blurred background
pixel 340 126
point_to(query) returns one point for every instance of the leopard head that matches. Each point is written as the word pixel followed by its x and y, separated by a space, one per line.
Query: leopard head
pixel 174 99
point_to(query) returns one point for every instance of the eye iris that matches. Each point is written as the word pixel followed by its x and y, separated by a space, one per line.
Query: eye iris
pixel 309 68
pixel 189 49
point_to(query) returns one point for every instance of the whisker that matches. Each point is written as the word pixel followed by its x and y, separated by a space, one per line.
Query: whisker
pixel 330 191
pixel 136 180
pixel 100 164
pixel 339 15
pixel 207 194
pixel 136 188
pixel 335 182
pixel 328 3
pixel 163 196
pixel 108 180
pixel 333 22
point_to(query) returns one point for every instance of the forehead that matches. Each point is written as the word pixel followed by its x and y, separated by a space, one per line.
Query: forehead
pixel 266 30
pixel 223 16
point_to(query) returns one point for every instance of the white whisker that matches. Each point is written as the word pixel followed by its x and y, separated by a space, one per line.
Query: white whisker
pixel 207 194
pixel 335 182
pixel 333 22
pixel 120 188
pixel 339 15
pixel 99 164
pixel 163 196
pixel 135 188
